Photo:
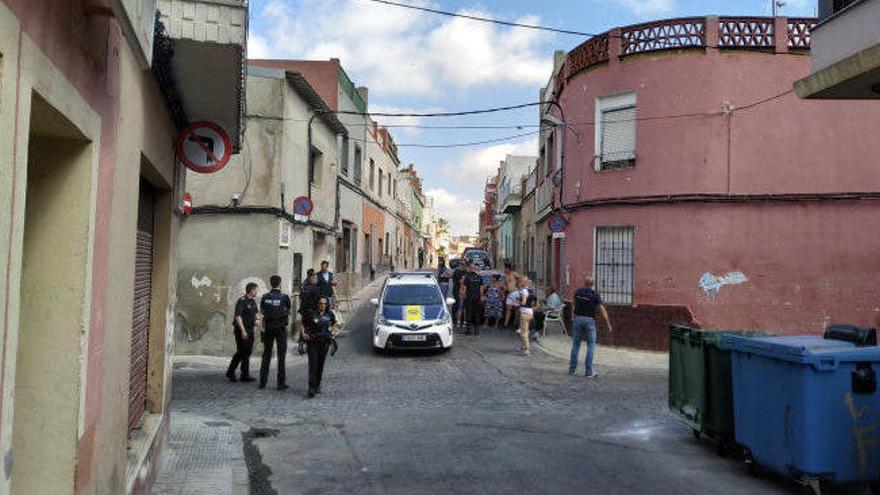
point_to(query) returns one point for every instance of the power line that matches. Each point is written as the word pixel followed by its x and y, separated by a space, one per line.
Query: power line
pixel 438 114
pixel 484 19
pixel 454 145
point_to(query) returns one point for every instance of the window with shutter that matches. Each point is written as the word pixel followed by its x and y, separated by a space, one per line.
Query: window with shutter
pixel 616 132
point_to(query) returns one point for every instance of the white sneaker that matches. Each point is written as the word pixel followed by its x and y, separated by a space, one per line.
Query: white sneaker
pixel 526 354
pixel 518 332
pixel 591 374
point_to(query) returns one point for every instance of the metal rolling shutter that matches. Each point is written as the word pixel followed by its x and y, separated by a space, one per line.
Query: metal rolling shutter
pixel 618 137
pixel 140 322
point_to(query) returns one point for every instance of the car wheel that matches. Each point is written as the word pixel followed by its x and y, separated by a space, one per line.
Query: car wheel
pixel 378 350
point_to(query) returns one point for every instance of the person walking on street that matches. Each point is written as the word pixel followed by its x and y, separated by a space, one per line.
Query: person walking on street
pixel 275 306
pixel 493 302
pixel 526 312
pixel 511 289
pixel 326 283
pixel 587 304
pixel 319 337
pixel 246 318
pixel 458 293
pixel 472 286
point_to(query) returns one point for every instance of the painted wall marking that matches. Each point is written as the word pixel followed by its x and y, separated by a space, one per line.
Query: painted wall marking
pixel 711 284
pixel 198 283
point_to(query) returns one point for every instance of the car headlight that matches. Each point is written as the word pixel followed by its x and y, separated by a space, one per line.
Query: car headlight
pixel 382 321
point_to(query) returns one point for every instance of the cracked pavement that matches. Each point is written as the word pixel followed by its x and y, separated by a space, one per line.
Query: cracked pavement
pixel 478 419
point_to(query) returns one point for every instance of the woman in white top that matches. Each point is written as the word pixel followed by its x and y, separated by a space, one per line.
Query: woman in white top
pixel 526 313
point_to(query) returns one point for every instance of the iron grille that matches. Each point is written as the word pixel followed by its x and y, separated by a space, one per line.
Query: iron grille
pixel 614 264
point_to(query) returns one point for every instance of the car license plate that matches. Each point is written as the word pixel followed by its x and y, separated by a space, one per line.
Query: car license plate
pixel 415 338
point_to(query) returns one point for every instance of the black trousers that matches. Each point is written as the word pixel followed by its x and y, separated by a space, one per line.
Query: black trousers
pixel 472 311
pixel 317 350
pixel 243 350
pixel 539 320
pixel 278 338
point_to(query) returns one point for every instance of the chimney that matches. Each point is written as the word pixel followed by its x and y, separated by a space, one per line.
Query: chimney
pixel 364 93
pixel 558 60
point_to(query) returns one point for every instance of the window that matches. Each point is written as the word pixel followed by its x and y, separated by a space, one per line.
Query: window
pixel 372 174
pixel 283 234
pixel 613 260
pixel 357 164
pixel 412 295
pixel 344 156
pixel 316 164
pixel 297 271
pixel 395 189
pixel 381 181
pixel 616 132
pixel 389 183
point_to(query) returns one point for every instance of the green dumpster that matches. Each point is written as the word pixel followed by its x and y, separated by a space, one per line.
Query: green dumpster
pixel 700 388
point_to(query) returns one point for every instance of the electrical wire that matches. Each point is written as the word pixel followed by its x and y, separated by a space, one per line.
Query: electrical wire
pixel 437 114
pixel 484 19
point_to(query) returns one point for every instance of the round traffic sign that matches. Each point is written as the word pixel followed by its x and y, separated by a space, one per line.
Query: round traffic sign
pixel 557 223
pixel 204 147
pixel 303 206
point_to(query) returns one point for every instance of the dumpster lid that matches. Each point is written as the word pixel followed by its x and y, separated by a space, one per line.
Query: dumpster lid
pixel 805 349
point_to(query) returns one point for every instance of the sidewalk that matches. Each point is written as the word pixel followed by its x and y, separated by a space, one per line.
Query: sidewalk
pixel 558 345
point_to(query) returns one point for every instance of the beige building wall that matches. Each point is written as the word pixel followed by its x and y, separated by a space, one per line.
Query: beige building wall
pixel 64 401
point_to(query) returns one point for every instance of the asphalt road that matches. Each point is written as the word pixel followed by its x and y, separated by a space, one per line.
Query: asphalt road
pixel 478 419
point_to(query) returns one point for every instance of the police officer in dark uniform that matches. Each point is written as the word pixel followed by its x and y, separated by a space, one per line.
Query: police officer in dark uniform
pixel 308 301
pixel 275 306
pixel 245 319
pixel 319 337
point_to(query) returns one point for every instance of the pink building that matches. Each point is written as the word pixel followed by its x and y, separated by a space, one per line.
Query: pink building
pixel 701 188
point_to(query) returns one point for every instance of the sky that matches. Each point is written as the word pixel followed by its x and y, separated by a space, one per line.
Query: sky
pixel 417 62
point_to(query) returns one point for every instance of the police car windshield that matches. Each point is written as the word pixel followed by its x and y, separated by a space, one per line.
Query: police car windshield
pixel 411 295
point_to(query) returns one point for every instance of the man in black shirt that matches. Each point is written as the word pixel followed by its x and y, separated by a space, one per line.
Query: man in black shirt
pixel 326 282
pixel 308 302
pixel 319 337
pixel 472 284
pixel 587 303
pixel 275 306
pixel 245 319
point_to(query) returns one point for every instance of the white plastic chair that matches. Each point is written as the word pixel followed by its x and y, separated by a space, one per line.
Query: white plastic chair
pixel 553 316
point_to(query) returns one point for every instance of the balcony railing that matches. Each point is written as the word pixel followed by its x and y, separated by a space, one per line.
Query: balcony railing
pixel 663 35
pixel 543 198
pixel 726 33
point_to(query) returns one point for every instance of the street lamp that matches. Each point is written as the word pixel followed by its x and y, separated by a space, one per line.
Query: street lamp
pixel 559 123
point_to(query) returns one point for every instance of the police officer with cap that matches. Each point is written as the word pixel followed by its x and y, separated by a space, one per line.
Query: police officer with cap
pixel 246 317
pixel 275 306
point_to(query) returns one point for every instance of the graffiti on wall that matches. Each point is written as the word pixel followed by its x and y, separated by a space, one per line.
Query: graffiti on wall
pixel 206 302
pixel 712 284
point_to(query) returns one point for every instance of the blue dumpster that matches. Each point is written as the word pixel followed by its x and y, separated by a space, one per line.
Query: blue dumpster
pixel 807 407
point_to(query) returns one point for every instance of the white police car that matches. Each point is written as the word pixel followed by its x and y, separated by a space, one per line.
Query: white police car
pixel 412 314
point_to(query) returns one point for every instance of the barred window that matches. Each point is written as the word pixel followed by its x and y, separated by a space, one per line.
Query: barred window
pixel 614 264
pixel 616 132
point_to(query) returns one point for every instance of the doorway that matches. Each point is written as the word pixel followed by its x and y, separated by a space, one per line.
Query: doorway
pixel 54 303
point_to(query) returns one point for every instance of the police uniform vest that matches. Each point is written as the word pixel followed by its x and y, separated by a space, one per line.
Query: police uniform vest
pixel 276 309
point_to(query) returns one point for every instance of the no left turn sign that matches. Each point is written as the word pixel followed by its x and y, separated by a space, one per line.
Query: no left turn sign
pixel 204 147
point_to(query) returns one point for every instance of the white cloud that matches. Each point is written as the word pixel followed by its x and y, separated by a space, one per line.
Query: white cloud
pixel 461 196
pixel 461 212
pixel 645 7
pixel 473 166
pixel 402 51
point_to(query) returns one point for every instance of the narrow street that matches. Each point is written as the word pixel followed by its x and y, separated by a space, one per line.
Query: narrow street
pixel 479 419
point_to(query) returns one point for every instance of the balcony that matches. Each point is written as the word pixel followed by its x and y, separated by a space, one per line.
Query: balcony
pixel 208 41
pixel 544 199
pixel 846 52
pixel 696 34
pixel 511 203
